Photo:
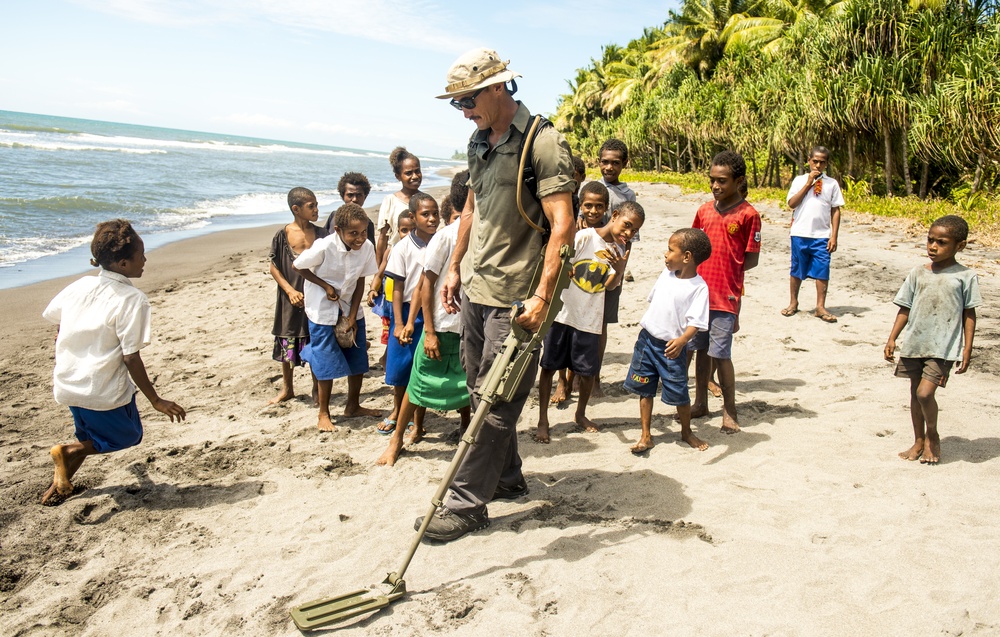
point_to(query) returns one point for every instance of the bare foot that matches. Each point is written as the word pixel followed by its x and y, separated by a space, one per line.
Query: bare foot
pixel 588 425
pixel 542 433
pixel 282 397
pixel 644 445
pixel 561 395
pixel 597 392
pixel 60 479
pixel 932 450
pixel 715 389
pixel 698 411
pixel 52 497
pixel 389 456
pixel 358 412
pixel 416 435
pixel 913 452
pixel 694 441
pixel 325 424
pixel 731 428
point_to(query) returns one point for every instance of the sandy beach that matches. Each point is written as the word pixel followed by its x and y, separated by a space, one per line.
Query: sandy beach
pixel 806 523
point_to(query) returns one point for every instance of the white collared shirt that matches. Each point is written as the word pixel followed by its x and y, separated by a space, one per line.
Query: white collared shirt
pixel 406 263
pixel 101 319
pixel 330 259
pixel 437 258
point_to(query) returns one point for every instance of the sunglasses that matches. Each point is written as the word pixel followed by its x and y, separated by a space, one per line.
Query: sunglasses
pixel 469 102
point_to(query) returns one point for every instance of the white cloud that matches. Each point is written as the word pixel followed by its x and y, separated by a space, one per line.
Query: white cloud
pixel 420 24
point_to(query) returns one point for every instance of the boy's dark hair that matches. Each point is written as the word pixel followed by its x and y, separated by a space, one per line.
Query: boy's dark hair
pixel 615 144
pixel 347 213
pixel 417 198
pixel 695 241
pixel 406 214
pixel 355 179
pixel 447 210
pixel 631 207
pixel 459 190
pixel 579 166
pixel 113 241
pixel 298 196
pixel 733 160
pixel 398 155
pixel 822 150
pixel 596 188
pixel 956 226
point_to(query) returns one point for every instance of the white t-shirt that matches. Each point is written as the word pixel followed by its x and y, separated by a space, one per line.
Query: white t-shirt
pixel 330 259
pixel 101 319
pixel 583 300
pixel 388 216
pixel 674 305
pixel 813 216
pixel 437 256
pixel 406 262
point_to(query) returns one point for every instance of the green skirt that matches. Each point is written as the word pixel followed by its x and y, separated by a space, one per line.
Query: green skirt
pixel 439 384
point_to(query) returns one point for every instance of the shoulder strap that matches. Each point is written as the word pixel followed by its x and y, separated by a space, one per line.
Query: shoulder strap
pixel 526 171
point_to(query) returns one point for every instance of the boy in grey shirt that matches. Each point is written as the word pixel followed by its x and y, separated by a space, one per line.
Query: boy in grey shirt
pixel 937 306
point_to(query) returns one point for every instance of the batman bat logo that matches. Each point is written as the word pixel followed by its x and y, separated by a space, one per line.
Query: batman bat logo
pixel 591 276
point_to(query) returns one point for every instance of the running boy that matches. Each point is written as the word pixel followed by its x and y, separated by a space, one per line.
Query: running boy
pixel 816 199
pixel 437 379
pixel 405 266
pixel 937 306
pixel 573 341
pixel 335 268
pixel 678 310
pixel 103 323
pixel 291 330
pixel 733 227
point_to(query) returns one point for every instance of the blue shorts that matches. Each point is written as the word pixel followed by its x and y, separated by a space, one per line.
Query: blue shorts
pixel 718 340
pixel 566 347
pixel 111 430
pixel 328 360
pixel 810 259
pixel 399 358
pixel 650 366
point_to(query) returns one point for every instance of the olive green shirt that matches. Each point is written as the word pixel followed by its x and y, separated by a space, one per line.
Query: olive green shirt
pixel 503 249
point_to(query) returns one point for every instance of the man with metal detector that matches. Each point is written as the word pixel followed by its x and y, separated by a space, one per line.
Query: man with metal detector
pixel 495 263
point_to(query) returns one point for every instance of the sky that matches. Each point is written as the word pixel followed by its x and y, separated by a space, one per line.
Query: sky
pixel 352 73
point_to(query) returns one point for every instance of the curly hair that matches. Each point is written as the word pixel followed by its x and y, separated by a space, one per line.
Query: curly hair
pixel 398 155
pixel 596 188
pixel 447 210
pixel 459 190
pixel 579 166
pixel 695 241
pixel 615 144
pixel 113 241
pixel 299 196
pixel 632 207
pixel 956 227
pixel 733 160
pixel 347 213
pixel 354 179
pixel 419 197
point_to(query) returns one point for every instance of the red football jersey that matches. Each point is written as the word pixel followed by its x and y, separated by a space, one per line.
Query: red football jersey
pixel 733 234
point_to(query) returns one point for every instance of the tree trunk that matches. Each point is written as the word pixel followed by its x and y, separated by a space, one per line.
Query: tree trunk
pixel 690 155
pixel 658 167
pixel 887 138
pixel 851 141
pixel 753 162
pixel 677 155
pixel 924 172
pixel 906 157
pixel 977 180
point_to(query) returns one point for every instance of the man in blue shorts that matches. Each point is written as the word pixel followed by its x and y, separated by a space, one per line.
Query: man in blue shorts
pixel 816 199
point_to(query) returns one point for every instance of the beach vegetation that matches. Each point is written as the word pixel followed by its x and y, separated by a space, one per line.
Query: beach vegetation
pixel 905 94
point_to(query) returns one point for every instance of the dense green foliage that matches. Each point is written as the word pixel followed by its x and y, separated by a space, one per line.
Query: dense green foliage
pixel 905 93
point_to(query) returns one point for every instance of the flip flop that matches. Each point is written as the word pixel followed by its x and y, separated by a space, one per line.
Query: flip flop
pixel 788 312
pixel 827 318
pixel 391 424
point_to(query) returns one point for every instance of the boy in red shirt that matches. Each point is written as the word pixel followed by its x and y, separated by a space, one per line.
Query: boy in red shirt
pixel 733 227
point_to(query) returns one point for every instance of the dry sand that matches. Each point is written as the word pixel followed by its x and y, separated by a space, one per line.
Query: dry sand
pixel 804 524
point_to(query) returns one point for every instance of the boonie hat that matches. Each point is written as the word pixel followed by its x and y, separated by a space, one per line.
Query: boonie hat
pixel 475 69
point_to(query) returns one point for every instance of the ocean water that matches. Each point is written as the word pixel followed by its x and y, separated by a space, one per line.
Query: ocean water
pixel 61 176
